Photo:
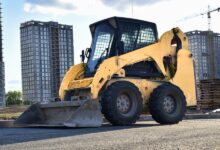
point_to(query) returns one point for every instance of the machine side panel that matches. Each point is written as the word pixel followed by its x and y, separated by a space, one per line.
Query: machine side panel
pixel 184 77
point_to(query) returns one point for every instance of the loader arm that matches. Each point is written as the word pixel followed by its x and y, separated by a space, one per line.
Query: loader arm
pixel 74 73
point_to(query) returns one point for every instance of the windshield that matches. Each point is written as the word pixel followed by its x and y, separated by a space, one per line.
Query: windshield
pixel 101 45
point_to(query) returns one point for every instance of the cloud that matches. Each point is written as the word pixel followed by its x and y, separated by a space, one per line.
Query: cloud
pixel 83 7
pixel 62 4
pixel 65 7
pixel 13 85
pixel 122 4
pixel 55 7
pixel 14 82
pixel 31 8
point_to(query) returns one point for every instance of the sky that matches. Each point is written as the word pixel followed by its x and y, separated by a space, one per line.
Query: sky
pixel 81 13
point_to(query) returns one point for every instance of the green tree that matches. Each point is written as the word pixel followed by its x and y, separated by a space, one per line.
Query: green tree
pixel 13 98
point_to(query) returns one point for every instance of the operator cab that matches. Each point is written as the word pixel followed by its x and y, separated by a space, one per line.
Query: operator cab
pixel 116 36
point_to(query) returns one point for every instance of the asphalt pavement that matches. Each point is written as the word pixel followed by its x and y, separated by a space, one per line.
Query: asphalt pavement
pixel 188 134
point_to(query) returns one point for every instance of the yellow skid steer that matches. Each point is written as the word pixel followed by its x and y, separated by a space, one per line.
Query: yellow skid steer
pixel 128 71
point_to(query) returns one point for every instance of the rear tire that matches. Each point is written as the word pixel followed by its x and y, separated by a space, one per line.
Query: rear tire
pixel 167 104
pixel 122 103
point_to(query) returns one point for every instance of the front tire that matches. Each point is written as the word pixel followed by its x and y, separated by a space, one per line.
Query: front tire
pixel 122 103
pixel 167 104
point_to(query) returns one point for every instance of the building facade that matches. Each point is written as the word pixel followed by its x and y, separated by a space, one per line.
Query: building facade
pixel 2 67
pixel 46 54
pixel 205 46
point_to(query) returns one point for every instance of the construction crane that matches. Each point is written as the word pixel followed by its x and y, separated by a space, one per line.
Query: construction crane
pixel 208 13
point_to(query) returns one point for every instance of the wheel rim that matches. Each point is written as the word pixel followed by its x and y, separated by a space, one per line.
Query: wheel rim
pixel 169 104
pixel 123 103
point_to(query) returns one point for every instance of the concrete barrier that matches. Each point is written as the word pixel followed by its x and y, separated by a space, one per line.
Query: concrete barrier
pixel 7 124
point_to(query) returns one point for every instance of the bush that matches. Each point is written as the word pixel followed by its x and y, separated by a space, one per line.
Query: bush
pixel 13 98
pixel 26 102
pixel 13 102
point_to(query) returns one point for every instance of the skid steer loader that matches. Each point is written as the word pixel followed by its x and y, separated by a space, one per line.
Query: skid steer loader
pixel 128 71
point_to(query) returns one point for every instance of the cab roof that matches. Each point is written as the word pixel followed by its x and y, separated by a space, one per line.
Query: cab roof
pixel 115 21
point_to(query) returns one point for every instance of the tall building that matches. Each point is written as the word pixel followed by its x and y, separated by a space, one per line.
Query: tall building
pixel 2 67
pixel 46 54
pixel 205 46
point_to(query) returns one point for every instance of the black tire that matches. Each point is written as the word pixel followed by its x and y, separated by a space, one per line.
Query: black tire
pixel 113 108
pixel 164 112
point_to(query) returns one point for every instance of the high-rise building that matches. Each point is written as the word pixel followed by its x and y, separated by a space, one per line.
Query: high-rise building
pixel 2 67
pixel 205 46
pixel 46 54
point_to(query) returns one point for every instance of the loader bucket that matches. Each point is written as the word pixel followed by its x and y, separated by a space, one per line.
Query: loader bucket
pixel 66 113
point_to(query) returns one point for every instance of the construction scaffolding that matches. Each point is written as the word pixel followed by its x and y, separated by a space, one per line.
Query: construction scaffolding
pixel 55 62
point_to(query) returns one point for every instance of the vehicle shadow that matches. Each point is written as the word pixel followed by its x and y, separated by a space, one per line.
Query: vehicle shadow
pixel 19 135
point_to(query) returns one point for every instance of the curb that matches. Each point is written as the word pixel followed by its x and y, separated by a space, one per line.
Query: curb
pixel 7 124
pixel 202 116
pixel 10 123
pixel 187 117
